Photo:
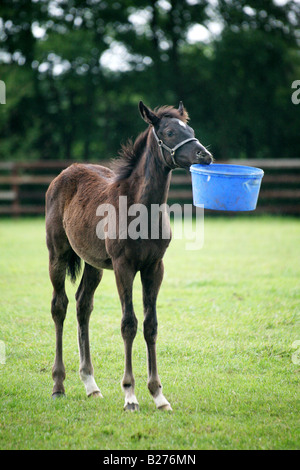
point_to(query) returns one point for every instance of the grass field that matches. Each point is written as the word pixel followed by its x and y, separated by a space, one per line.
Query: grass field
pixel 228 318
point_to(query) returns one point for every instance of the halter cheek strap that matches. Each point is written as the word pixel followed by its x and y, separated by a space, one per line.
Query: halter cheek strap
pixel 172 151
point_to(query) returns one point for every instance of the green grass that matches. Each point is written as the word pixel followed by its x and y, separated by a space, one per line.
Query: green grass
pixel 228 316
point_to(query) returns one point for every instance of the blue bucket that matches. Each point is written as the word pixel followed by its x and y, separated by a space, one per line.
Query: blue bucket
pixel 226 187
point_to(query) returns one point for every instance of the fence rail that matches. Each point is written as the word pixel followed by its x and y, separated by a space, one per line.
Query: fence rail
pixel 23 186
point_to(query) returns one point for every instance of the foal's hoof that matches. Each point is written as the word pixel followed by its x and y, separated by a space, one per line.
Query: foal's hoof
pixel 131 407
pixel 96 394
pixel 165 407
pixel 57 395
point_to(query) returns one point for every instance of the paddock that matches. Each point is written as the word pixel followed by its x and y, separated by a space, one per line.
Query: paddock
pixel 228 318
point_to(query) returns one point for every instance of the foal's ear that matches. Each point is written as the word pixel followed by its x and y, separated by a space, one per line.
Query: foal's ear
pixel 181 108
pixel 183 111
pixel 148 115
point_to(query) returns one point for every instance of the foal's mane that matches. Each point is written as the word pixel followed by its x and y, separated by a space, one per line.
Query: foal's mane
pixel 130 153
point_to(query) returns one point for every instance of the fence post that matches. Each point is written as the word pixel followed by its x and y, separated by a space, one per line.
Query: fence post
pixel 15 187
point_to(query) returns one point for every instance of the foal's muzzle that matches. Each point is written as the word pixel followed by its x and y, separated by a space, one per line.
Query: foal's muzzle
pixel 204 157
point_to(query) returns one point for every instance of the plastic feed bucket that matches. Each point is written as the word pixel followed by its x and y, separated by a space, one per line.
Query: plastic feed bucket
pixel 226 187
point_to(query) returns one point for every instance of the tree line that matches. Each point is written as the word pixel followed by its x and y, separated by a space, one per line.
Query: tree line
pixel 74 72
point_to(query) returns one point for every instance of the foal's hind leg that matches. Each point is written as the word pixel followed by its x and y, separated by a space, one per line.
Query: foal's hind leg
pixel 57 271
pixel 151 279
pixel 84 296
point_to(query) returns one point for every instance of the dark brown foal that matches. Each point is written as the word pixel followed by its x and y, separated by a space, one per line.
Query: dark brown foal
pixel 74 202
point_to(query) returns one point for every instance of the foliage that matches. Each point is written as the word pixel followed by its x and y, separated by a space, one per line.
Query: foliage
pixel 64 102
pixel 227 325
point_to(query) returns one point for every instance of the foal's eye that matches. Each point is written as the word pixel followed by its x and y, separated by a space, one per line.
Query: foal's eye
pixel 170 133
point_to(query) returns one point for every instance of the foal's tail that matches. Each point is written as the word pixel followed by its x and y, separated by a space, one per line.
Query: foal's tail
pixel 73 265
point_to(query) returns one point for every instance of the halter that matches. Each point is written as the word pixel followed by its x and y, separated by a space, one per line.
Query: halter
pixel 172 151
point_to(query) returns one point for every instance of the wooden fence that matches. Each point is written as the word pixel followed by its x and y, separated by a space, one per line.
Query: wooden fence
pixel 23 186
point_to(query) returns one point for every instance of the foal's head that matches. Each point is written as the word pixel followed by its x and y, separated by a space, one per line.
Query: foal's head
pixel 176 139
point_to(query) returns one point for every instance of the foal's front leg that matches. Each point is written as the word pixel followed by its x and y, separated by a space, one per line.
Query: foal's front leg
pixel 84 296
pixel 125 274
pixel 151 279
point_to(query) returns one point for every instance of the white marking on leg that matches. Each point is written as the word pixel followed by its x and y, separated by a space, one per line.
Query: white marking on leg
pixel 161 401
pixel 130 398
pixel 90 384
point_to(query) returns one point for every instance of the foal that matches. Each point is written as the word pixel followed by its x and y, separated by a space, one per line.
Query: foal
pixel 143 175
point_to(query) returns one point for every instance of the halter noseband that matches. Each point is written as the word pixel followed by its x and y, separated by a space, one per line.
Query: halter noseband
pixel 172 151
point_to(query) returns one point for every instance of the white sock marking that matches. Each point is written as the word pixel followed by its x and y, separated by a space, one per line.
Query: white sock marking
pixel 160 400
pixel 89 383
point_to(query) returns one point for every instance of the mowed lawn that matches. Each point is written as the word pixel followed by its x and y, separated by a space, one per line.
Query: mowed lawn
pixel 228 322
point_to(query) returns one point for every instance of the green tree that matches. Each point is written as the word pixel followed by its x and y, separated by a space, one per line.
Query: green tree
pixel 64 102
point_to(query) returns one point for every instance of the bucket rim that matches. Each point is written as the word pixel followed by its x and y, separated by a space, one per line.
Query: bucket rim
pixel 219 169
